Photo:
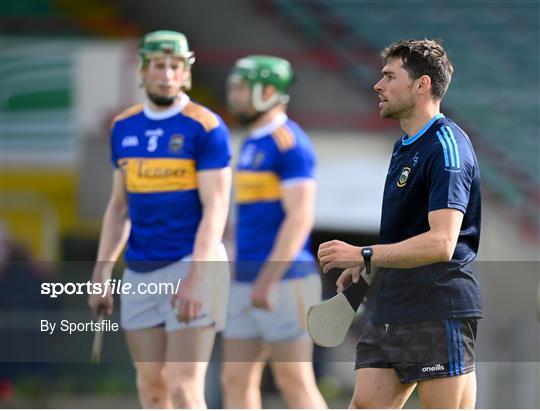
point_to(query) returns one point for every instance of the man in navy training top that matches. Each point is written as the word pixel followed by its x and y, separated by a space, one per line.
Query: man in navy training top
pixel 423 331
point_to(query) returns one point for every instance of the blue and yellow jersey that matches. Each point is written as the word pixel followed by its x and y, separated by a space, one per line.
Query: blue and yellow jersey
pixel 159 155
pixel 271 157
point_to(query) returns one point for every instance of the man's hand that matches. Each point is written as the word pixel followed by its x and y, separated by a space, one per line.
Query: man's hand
pixel 99 304
pixel 188 302
pixel 262 294
pixel 348 276
pixel 338 254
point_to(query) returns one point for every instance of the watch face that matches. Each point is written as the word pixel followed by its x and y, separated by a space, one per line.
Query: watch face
pixel 367 252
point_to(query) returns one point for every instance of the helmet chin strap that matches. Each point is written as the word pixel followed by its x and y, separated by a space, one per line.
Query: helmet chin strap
pixel 262 106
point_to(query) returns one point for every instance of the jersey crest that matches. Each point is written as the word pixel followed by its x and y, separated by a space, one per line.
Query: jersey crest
pixel 403 177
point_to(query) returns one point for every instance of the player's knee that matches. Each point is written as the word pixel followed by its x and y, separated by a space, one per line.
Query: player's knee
pixel 183 393
pixel 151 387
pixel 364 400
pixel 234 379
pixel 292 383
pixel 230 378
pixel 183 386
pixel 352 404
pixel 360 404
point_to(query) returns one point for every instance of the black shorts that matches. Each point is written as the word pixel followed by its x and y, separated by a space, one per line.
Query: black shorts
pixel 419 351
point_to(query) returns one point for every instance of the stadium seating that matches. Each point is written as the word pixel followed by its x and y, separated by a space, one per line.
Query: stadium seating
pixel 495 90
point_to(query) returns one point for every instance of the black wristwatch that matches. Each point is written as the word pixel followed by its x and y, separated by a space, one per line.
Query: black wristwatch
pixel 367 252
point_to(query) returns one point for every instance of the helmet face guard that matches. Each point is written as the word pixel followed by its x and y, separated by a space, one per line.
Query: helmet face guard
pixel 261 71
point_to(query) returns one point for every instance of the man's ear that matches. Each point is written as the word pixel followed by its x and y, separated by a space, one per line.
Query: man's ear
pixel 142 72
pixel 423 84
pixel 269 91
pixel 186 79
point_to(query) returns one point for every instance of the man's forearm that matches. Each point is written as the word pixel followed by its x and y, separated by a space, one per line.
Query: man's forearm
pixel 290 238
pixel 114 234
pixel 426 248
pixel 209 232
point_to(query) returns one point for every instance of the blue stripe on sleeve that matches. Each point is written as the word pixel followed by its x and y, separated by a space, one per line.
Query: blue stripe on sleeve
pixel 450 148
pixel 445 150
pixel 450 134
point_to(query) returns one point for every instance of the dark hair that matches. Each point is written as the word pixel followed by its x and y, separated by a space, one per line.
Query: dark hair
pixel 423 57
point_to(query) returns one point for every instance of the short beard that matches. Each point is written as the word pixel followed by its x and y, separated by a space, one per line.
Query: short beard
pixel 246 120
pixel 160 100
pixel 397 113
pixel 392 115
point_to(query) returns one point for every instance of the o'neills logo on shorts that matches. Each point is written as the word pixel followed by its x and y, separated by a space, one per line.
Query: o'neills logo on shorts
pixel 436 367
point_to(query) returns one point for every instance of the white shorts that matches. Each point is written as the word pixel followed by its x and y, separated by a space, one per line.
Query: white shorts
pixel 288 319
pixel 140 310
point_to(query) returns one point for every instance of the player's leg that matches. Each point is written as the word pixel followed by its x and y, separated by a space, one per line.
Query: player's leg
pixel 187 355
pixel 293 373
pixel 378 385
pixel 244 352
pixel 291 348
pixel 379 388
pixel 243 365
pixel 189 345
pixel 446 372
pixel 146 339
pixel 147 349
pixel 455 365
pixel 451 392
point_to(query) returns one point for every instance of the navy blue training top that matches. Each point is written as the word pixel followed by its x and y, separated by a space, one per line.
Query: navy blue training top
pixel 434 169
